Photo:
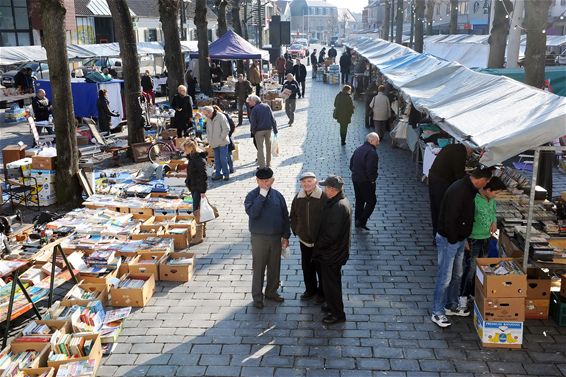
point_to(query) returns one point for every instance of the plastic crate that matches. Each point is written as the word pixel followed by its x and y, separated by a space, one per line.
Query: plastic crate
pixel 558 309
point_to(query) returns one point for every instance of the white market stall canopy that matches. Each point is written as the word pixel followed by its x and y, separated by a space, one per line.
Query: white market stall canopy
pixel 15 55
pixel 501 116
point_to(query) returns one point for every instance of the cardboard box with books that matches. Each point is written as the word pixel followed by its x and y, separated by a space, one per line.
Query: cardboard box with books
pixel 180 237
pixel 146 264
pixel 23 353
pixel 538 284
pixel 177 267
pixel 75 348
pixel 83 293
pixel 500 277
pixel 40 372
pixel 133 291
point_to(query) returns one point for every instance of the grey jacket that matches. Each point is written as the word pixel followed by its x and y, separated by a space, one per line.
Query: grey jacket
pixel 217 130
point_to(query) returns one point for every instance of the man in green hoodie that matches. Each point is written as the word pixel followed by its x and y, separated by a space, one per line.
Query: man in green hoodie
pixel 485 225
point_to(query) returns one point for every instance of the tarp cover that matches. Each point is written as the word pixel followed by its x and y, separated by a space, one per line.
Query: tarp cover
pixel 555 75
pixel 497 114
pixel 231 46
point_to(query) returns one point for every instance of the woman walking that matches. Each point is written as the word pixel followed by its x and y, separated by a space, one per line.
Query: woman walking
pixel 196 172
pixel 104 112
pixel 343 110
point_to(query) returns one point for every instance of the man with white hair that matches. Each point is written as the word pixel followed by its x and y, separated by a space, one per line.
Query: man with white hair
pixel 183 105
pixel 290 90
pixel 262 122
pixel 217 131
pixel 41 110
pixel 364 165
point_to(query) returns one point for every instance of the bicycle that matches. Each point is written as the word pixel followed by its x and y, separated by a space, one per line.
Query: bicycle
pixel 165 150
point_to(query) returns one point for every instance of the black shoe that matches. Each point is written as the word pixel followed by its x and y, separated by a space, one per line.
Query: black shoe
pixel 361 226
pixel 216 177
pixel 343 143
pixel 331 319
pixel 319 299
pixel 258 304
pixel 324 308
pixel 232 171
pixel 227 178
pixel 307 296
pixel 275 298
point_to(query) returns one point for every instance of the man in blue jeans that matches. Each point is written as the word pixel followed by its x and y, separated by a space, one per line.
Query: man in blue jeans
pixel 455 222
pixel 217 131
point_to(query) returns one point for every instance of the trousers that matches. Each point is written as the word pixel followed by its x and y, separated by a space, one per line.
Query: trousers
pixel 290 105
pixel 221 161
pixel 478 250
pixel 263 158
pixel 241 105
pixel 302 84
pixel 436 189
pixel 266 254
pixel 380 128
pixel 366 200
pixel 448 274
pixel 332 287
pixel 311 270
pixel 343 132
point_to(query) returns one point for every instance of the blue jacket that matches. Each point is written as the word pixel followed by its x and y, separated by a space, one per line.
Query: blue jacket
pixel 261 118
pixel 363 163
pixel 268 215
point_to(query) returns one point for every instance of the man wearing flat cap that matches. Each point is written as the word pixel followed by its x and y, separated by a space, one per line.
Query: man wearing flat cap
pixel 306 214
pixel 332 247
pixel 270 232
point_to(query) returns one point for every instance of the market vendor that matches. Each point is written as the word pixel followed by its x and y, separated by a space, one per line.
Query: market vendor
pixel 41 110
pixel 242 90
pixel 183 105
pixel 216 73
pixel 255 77
pixel 147 85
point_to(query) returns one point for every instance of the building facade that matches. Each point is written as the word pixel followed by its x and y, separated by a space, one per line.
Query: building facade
pixel 318 19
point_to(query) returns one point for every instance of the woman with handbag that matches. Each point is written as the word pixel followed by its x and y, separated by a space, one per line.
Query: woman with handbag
pixel 197 180
pixel 343 110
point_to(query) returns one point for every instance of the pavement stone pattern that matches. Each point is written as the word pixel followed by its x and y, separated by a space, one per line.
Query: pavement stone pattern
pixel 208 326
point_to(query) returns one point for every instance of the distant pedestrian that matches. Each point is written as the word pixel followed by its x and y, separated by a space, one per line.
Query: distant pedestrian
pixel 288 66
pixel 42 110
pixel 455 224
pixel 147 85
pixel 217 131
pixel 300 73
pixel 255 77
pixel 197 179
pixel 332 53
pixel 343 110
pixel 270 232
pixel 191 86
pixel 183 105
pixel 321 56
pixel 345 66
pixel 262 123
pixel 307 54
pixel 104 113
pixel 280 66
pixel 306 216
pixel 364 168
pixel 231 146
pixel 290 90
pixel 242 89
pixel 314 62
pixel 381 110
pixel 332 247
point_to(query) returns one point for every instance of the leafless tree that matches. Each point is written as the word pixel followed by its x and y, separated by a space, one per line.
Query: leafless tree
pixel 399 18
pixel 430 4
pixel 419 26
pixel 453 17
pixel 202 36
pixel 536 13
pixel 386 20
pixel 499 31
pixel 168 15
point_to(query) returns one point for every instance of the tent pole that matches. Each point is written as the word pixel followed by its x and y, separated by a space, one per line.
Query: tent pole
pixel 531 210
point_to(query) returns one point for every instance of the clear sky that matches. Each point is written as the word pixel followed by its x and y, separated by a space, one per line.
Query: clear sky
pixel 354 5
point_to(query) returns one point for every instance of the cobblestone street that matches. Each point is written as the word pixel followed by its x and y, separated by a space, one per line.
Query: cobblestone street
pixel 209 327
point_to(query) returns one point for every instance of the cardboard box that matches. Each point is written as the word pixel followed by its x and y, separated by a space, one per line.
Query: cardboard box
pixel 43 176
pixel 538 284
pixel 500 308
pixel 19 168
pixel 498 334
pixel 63 328
pixel 101 291
pixel 104 279
pixel 13 153
pixel 142 213
pixel 509 247
pixel 512 285
pixel 177 272
pixel 180 237
pixel 142 235
pixel 277 104
pixel 156 222
pixel 537 308
pixel 43 163
pixel 35 372
pixel 42 348
pixel 138 268
pixel 186 221
pixel 135 297
pixel 95 352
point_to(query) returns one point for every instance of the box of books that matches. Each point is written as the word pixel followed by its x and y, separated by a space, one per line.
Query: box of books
pixel 142 235
pixel 40 372
pixel 147 264
pixel 180 237
pixel 22 355
pixel 186 221
pixel 90 317
pixel 177 267
pixel 42 329
pixel 133 291
pixel 83 293
pixel 141 213
pixel 156 222
pixel 60 315
pixel 70 348
pixel 113 324
pixel 96 277
pixel 83 368
pixel 500 277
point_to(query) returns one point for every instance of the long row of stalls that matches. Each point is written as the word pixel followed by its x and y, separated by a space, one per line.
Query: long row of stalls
pixel 498 117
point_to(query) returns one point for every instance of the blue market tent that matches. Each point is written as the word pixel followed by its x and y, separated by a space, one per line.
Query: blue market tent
pixel 231 46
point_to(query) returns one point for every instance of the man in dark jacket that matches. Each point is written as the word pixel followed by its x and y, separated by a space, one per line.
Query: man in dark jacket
pixel 455 223
pixel 448 166
pixel 363 165
pixel 332 53
pixel 322 56
pixel 242 90
pixel 290 90
pixel 41 111
pixel 262 122
pixel 345 66
pixel 314 62
pixel 306 215
pixel 270 232
pixel 332 247
pixel 300 73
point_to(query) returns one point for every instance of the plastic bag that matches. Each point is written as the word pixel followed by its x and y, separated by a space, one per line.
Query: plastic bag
pixel 206 213
pixel 274 145
pixel 492 250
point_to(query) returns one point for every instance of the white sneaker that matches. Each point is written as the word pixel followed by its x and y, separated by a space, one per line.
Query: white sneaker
pixel 440 320
pixel 459 311
pixel 462 302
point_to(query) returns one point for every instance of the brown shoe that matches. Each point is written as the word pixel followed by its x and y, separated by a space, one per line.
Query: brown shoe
pixel 275 298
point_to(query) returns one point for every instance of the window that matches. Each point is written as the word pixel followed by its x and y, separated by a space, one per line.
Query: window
pixel 152 35
pixel 438 10
pixel 14 23
pixel 324 10
pixel 463 8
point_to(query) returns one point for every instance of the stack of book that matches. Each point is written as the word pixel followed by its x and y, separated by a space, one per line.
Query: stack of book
pixel 11 362
pixel 70 346
pixel 63 312
pixel 180 261
pixel 34 329
pixel 83 368
pixel 80 294
pixel 131 283
pixel 100 258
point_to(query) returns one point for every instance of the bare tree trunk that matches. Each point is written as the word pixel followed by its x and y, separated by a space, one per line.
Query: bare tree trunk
pixel 429 16
pixel 419 26
pixel 514 41
pixel 498 37
pixel 392 18
pixel 453 17
pixel 222 29
pixel 202 36
pixel 386 20
pixel 245 21
pixel 237 27
pixel 399 22
pixel 169 15
pixel 536 13
pixel 55 43
pixel 129 54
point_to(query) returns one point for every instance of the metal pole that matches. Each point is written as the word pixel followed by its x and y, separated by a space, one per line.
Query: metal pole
pixel 531 210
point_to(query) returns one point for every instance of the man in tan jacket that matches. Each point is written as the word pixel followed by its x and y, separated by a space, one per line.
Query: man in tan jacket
pixel 381 109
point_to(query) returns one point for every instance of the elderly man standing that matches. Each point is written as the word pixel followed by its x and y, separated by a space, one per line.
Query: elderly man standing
pixel 242 90
pixel 364 165
pixel 381 109
pixel 217 131
pixel 306 215
pixel 332 247
pixel 41 110
pixel 262 123
pixel 290 90
pixel 270 232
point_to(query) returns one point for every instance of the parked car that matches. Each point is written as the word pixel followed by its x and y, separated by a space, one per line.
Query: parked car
pixel 301 41
pixel 561 59
pixel 39 71
pixel 549 60
pixel 114 65
pixel 296 51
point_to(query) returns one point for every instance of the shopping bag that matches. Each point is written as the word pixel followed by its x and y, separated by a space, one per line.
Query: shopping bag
pixel 492 251
pixel 207 211
pixel 274 146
